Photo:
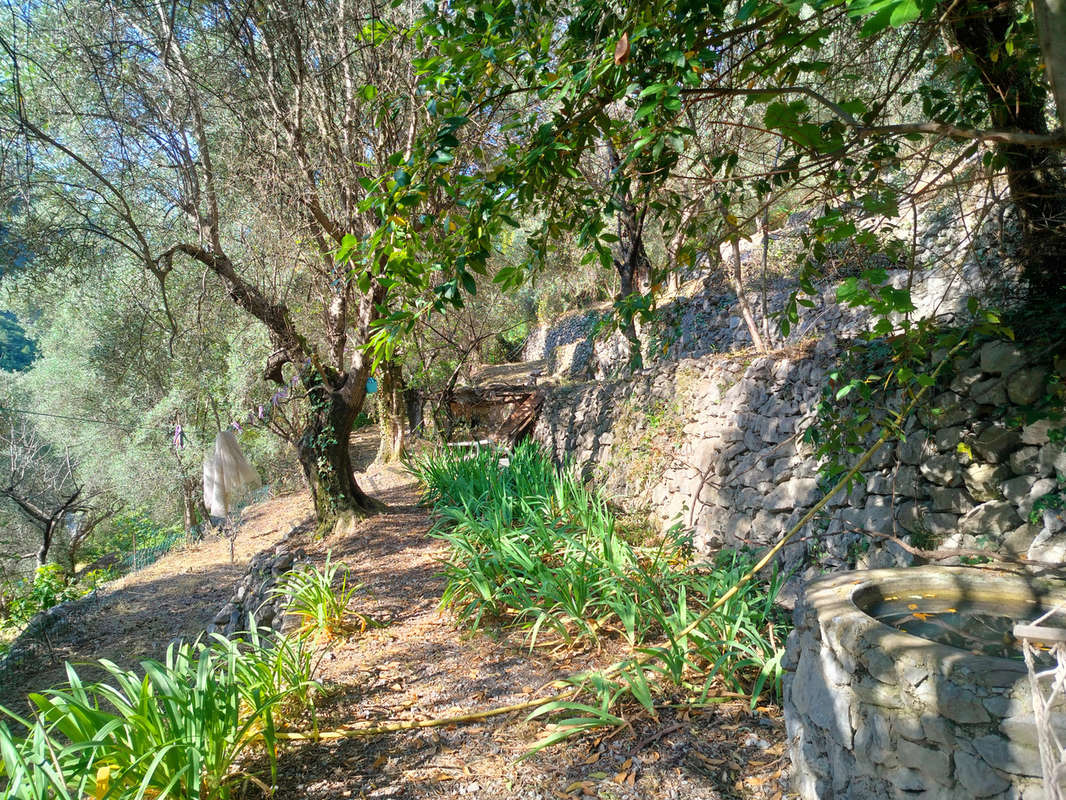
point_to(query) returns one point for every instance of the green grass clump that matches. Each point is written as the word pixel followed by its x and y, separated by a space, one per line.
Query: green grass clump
pixel 530 545
pixel 311 595
pixel 178 729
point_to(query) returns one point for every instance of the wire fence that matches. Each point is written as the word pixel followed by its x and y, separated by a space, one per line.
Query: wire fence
pixel 144 556
pixel 39 641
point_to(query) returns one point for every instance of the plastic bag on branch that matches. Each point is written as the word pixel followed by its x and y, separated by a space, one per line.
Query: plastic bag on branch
pixel 227 476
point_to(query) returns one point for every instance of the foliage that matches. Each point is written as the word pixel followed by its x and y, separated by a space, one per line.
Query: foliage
pixel 255 215
pixel 880 372
pixel 313 595
pixel 50 586
pixel 16 351
pixel 180 730
pixel 531 546
pixel 695 98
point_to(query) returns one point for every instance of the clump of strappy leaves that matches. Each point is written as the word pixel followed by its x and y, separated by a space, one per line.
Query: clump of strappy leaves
pixel 531 546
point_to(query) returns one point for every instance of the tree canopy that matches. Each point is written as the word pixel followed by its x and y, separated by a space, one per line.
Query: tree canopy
pixel 374 184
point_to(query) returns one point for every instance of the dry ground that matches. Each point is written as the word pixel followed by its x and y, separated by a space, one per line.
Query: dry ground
pixel 418 665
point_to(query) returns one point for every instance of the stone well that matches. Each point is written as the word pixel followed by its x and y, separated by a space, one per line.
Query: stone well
pixel 874 713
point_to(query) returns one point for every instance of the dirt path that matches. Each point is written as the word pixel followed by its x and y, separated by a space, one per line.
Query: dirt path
pixel 420 666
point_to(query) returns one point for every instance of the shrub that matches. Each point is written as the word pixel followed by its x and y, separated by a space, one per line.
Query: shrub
pixel 21 600
pixel 176 731
pixel 310 594
pixel 532 546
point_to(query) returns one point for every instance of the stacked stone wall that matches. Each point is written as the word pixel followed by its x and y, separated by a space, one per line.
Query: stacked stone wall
pixel 256 596
pixel 714 444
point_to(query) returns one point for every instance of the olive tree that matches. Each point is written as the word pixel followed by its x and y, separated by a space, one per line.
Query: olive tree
pixel 261 144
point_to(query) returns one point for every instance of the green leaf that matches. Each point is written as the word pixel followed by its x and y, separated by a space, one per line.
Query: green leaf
pixel 469 284
pixel 904 12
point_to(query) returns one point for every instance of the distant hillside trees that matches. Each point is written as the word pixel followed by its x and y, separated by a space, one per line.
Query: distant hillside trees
pixel 16 351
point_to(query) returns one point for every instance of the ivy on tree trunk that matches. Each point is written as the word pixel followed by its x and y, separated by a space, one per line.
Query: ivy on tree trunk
pixel 323 447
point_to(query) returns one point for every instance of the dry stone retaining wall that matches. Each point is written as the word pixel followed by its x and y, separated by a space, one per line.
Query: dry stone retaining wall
pixel 255 597
pixel 712 444
pixel 953 260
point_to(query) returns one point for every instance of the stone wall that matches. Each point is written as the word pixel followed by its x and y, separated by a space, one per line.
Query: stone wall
pixel 712 443
pixel 953 260
pixel 255 596
pixel 873 713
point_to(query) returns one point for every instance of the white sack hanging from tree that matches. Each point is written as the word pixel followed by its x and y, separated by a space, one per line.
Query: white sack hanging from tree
pixel 227 475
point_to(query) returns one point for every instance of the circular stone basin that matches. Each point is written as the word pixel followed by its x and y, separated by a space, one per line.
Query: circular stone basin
pixel 874 711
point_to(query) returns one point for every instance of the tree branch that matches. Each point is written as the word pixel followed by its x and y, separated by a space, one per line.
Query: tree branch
pixel 1056 140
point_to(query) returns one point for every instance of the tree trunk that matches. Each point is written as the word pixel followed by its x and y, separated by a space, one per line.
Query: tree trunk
pixel 736 280
pixel 1051 28
pixel 192 503
pixel 1036 178
pixel 323 448
pixel 47 535
pixel 415 410
pixel 633 265
pixel 393 417
pixel 629 326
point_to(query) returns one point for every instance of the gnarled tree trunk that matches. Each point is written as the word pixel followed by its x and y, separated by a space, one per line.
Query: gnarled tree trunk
pixel 1036 177
pixel 323 448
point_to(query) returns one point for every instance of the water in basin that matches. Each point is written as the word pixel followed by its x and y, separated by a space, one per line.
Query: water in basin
pixel 982 628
